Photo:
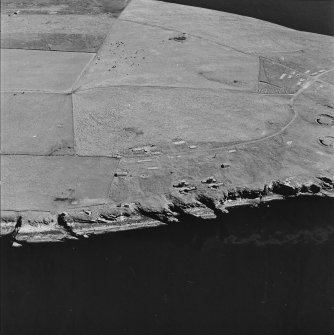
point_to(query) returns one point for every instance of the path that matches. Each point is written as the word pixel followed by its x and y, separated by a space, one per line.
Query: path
pixel 113 123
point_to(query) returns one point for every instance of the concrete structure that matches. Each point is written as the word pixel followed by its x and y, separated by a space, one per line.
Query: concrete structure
pixel 113 123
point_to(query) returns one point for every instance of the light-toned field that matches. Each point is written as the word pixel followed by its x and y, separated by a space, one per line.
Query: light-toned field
pixel 112 121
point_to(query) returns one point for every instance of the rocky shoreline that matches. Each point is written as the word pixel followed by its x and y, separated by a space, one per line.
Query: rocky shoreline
pixel 177 113
pixel 194 207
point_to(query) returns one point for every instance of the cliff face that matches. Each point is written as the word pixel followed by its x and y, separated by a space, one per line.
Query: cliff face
pixel 259 265
pixel 183 113
pixel 180 208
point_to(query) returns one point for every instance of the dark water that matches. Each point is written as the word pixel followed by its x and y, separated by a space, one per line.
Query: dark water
pixel 307 15
pixel 182 279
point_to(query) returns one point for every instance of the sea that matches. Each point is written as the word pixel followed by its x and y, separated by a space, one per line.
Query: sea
pixel 259 271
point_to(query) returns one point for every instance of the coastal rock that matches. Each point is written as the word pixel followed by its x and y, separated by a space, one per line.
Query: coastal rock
pixel 181 114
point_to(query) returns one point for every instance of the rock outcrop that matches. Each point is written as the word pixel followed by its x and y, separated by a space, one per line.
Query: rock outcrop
pixel 182 114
